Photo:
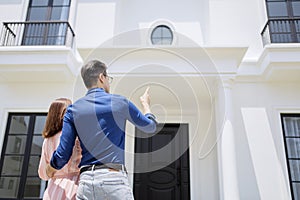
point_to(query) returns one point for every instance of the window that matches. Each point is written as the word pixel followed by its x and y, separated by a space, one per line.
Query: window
pixel 46 33
pixel 162 35
pixel 284 20
pixel 20 157
pixel 291 130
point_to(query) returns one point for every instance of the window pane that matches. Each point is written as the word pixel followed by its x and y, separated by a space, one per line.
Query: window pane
pixel 293 145
pixel 35 29
pixel 277 9
pixel 295 169
pixel 297 25
pixel 19 125
pixel 292 126
pixel 9 187
pixel 166 41
pixel 39 124
pixel 39 2
pixel 37 143
pixel 34 187
pixel 296 190
pixel 61 2
pixel 296 8
pixel 12 165
pixel 33 166
pixel 156 33
pixel 166 33
pixel 60 13
pixel 156 41
pixel 16 144
pixel 38 14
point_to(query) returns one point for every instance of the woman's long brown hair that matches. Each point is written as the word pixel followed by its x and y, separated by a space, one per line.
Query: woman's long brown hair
pixel 54 120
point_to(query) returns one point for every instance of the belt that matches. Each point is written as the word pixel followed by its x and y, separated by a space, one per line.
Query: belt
pixel 111 166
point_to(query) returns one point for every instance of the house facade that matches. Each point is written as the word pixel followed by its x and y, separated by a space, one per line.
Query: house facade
pixel 224 81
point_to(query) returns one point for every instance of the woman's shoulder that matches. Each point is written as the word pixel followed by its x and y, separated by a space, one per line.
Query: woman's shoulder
pixel 52 141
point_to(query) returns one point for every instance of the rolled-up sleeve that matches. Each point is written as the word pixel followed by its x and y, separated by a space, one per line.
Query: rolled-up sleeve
pixel 64 150
pixel 146 123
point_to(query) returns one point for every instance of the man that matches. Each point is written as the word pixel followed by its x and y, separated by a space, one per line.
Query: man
pixel 98 120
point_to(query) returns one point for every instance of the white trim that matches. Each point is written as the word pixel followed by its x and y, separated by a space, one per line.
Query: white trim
pixel 25 10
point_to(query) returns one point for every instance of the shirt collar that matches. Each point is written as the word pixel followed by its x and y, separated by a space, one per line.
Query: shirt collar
pixel 92 90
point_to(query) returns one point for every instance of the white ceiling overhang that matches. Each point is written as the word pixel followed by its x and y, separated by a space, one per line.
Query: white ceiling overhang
pixel 38 64
pixel 170 61
pixel 278 62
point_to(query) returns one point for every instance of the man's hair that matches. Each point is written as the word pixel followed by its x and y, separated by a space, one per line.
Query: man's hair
pixel 91 71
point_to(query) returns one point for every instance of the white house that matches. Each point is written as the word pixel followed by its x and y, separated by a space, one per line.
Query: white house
pixel 224 81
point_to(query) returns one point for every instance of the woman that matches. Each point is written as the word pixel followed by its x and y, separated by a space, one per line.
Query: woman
pixel 65 181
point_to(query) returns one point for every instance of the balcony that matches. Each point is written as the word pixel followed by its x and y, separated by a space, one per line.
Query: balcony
pixel 38 52
pixel 281 31
pixel 35 33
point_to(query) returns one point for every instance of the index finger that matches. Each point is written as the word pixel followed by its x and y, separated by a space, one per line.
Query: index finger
pixel 147 90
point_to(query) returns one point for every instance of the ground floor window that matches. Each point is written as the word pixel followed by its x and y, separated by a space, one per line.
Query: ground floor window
pixel 291 133
pixel 20 157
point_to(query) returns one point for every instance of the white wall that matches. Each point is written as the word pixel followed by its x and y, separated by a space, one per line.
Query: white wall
pixel 213 23
pixel 29 97
pixel 237 23
pixel 13 10
pixel 260 147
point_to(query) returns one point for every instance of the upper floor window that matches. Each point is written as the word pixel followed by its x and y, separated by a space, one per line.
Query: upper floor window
pixel 162 35
pixel 284 21
pixel 283 8
pixel 46 22
pixel 291 131
pixel 47 10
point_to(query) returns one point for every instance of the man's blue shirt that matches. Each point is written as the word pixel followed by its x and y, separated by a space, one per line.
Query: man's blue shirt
pixel 99 120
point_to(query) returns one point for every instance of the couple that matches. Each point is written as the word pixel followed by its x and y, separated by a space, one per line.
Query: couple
pixel 90 135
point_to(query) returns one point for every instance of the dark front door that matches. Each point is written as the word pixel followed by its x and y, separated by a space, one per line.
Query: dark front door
pixel 162 164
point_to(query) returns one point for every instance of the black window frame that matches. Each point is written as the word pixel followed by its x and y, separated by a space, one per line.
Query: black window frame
pixel 26 155
pixel 285 137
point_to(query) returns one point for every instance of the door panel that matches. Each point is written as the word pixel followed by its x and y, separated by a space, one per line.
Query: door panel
pixel 161 151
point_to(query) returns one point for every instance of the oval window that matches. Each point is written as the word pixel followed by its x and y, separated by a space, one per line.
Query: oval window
pixel 162 35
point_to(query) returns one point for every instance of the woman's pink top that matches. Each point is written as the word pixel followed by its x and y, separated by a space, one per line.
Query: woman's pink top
pixel 65 181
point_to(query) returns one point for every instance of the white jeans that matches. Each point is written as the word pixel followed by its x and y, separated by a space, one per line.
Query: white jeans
pixel 104 184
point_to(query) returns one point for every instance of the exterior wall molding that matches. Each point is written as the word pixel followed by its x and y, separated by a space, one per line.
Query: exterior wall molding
pixel 204 61
pixel 277 62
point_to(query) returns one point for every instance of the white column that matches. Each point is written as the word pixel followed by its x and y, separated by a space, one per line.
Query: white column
pixel 226 141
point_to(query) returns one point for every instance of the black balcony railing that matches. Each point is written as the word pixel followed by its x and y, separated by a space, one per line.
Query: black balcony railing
pixel 36 33
pixel 281 31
